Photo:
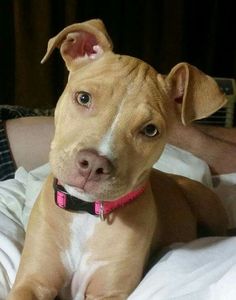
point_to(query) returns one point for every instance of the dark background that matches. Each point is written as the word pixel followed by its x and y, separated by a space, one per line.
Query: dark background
pixel 161 32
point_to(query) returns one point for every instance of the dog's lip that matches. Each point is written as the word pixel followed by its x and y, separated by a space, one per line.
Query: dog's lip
pixel 79 193
pixel 80 190
pixel 74 188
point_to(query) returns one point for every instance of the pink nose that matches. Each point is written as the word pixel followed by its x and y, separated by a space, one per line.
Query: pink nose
pixel 92 166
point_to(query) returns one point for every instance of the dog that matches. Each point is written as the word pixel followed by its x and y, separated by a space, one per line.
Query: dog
pixel 103 211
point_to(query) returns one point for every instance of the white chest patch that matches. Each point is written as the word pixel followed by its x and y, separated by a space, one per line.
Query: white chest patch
pixel 75 258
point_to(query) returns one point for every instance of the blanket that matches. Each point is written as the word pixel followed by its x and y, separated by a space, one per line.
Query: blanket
pixel 204 269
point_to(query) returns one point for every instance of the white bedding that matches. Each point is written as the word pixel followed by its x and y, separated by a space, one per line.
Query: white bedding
pixel 204 269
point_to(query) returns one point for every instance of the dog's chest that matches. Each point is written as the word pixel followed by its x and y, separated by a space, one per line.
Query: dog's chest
pixel 77 257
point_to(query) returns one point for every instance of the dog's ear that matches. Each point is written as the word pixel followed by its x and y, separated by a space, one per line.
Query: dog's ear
pixel 196 93
pixel 80 43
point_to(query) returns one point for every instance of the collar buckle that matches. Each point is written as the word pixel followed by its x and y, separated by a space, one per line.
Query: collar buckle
pixel 101 211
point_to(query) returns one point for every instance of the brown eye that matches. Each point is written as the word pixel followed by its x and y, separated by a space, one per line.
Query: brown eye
pixel 83 98
pixel 150 130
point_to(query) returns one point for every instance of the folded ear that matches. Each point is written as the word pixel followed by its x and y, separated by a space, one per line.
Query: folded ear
pixel 80 43
pixel 197 93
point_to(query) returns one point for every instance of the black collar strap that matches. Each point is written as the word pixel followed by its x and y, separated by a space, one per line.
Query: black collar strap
pixel 64 200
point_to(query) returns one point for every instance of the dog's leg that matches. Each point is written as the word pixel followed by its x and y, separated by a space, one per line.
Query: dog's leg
pixel 27 293
pixel 41 273
pixel 206 207
pixel 112 297
pixel 39 277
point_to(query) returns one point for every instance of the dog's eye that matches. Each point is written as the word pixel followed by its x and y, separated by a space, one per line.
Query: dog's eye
pixel 150 130
pixel 83 98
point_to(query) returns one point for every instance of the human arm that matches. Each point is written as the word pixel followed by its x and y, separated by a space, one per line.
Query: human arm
pixel 29 140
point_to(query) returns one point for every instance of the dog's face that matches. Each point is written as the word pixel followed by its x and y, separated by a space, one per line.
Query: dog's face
pixel 114 115
pixel 114 108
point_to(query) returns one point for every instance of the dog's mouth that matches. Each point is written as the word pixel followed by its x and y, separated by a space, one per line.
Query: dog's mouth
pixel 107 187
pixel 90 176
pixel 92 191
pixel 80 193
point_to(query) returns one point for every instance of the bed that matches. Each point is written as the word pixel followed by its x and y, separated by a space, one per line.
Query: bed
pixel 204 269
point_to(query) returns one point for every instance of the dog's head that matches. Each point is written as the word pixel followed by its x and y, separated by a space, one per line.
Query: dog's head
pixel 113 117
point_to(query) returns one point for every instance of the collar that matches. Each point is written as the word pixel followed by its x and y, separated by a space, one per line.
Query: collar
pixel 98 208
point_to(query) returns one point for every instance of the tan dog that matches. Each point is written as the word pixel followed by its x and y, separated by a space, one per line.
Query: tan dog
pixel 112 122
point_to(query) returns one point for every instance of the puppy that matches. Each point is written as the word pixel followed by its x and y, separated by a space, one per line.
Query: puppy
pixel 104 211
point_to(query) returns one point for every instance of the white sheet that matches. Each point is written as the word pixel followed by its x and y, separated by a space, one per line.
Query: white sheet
pixel 204 269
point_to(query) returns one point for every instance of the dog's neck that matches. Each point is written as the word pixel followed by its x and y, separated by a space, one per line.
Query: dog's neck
pixel 65 200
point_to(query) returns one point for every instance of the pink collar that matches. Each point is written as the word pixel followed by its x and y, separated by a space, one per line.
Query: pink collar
pixel 99 208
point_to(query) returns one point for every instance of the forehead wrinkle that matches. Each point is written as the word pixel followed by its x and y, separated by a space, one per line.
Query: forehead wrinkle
pixel 155 93
pixel 145 77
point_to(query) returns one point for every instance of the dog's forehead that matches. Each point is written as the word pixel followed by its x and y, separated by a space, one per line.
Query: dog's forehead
pixel 128 72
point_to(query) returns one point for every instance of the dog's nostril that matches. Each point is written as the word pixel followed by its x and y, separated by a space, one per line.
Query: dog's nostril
pixel 93 166
pixel 84 164
pixel 100 171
